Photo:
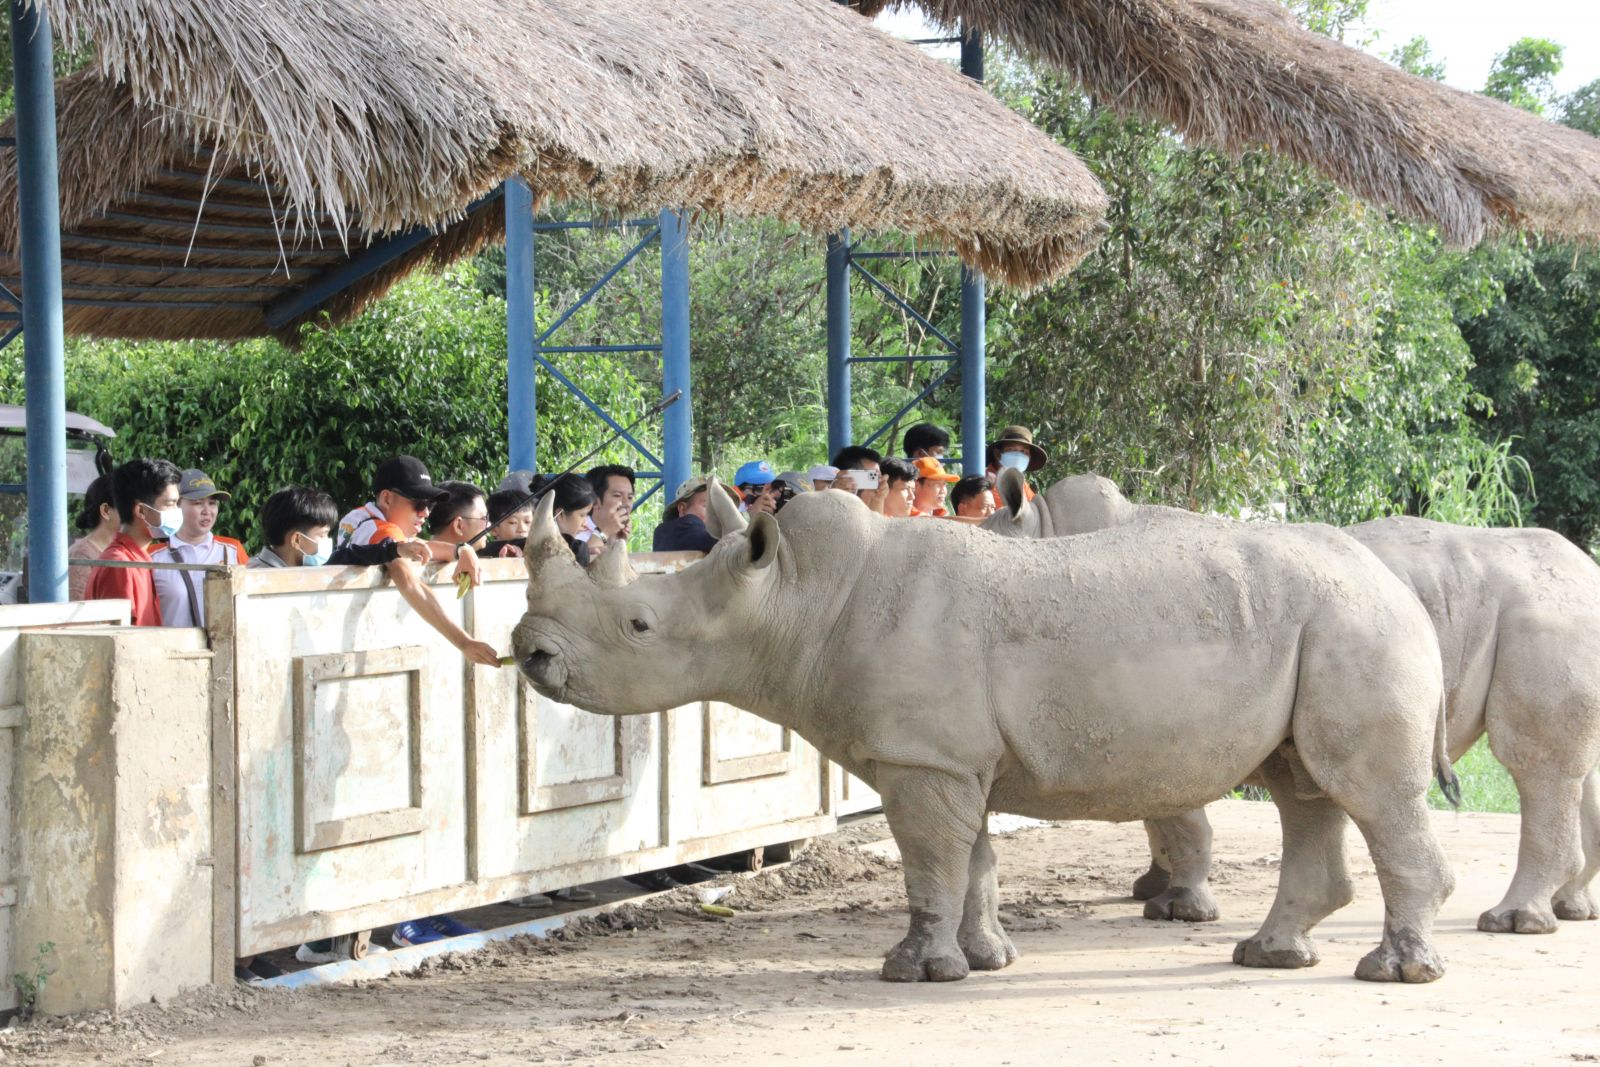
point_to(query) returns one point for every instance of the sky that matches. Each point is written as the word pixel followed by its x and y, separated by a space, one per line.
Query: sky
pixel 1465 34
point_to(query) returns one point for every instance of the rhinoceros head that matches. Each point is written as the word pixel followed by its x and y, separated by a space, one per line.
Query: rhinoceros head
pixel 614 642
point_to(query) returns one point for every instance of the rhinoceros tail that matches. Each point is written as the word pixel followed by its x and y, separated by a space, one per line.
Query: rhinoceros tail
pixel 1449 784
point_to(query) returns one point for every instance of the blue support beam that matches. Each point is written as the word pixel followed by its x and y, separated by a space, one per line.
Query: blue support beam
pixel 44 371
pixel 521 389
pixel 677 436
pixel 974 384
pixel 838 331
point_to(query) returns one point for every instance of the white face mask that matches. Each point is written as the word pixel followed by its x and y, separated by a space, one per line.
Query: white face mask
pixel 1017 461
pixel 320 556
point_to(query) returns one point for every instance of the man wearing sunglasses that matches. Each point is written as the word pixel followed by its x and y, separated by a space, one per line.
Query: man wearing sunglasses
pixel 403 495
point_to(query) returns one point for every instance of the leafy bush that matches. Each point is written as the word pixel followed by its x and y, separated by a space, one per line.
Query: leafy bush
pixel 421 372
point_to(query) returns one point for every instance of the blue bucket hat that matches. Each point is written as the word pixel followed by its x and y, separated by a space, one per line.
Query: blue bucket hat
pixel 756 472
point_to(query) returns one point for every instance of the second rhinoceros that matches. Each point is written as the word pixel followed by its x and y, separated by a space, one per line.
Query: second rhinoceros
pixel 1115 676
pixel 1517 613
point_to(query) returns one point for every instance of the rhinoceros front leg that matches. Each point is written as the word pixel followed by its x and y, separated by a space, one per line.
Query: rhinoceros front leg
pixel 1182 846
pixel 1313 880
pixel 936 819
pixel 1575 901
pixel 982 939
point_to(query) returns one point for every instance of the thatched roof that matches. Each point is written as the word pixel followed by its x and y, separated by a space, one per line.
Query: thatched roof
pixel 310 128
pixel 1241 74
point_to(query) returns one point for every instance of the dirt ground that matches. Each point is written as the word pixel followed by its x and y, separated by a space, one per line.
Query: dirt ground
pixel 793 978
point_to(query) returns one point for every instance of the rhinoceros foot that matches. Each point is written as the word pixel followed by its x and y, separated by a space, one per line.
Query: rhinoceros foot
pixel 1150 884
pixel 1528 919
pixel 1404 956
pixel 925 954
pixel 988 950
pixel 1576 907
pixel 1276 952
pixel 1183 904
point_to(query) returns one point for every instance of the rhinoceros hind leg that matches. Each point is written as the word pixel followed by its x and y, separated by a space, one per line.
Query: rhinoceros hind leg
pixel 1549 852
pixel 982 939
pixel 1575 901
pixel 1312 879
pixel 1415 878
pixel 1183 904
pixel 1181 845
pixel 936 819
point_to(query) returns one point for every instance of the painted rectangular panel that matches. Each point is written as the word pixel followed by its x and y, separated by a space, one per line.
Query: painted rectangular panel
pixel 736 745
pixel 358 753
pixel 571 758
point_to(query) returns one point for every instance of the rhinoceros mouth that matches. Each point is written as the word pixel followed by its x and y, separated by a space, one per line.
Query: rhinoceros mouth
pixel 546 671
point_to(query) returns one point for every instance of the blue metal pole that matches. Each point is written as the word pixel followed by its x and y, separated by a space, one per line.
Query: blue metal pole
pixel 677 437
pixel 974 386
pixel 838 293
pixel 521 389
pixel 44 372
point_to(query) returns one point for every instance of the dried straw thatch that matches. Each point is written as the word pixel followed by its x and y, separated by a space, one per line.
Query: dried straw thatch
pixel 308 128
pixel 1241 74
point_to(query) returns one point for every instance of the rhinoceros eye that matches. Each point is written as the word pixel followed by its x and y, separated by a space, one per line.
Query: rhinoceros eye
pixel 640 626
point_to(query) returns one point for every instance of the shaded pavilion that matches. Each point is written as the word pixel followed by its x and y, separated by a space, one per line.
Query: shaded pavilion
pixel 233 169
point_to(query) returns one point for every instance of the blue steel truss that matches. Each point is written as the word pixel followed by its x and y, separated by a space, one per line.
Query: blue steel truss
pixel 530 346
pixel 965 353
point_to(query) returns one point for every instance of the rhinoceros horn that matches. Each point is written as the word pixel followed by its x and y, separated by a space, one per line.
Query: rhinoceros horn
pixel 545 545
pixel 722 515
pixel 613 570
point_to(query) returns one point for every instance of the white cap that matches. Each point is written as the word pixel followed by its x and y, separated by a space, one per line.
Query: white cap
pixel 822 473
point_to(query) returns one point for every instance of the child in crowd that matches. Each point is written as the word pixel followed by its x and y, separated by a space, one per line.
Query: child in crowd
pixel 297 526
pixel 182 593
pixel 897 486
pixel 99 522
pixel 146 494
pixel 511 528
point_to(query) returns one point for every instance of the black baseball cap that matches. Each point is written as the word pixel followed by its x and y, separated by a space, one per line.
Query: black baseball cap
pixel 407 476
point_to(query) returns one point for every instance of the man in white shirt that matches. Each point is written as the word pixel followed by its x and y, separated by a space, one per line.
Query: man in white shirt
pixel 182 593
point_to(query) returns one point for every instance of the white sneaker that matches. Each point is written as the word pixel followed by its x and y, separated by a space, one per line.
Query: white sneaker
pixel 532 900
pixel 575 893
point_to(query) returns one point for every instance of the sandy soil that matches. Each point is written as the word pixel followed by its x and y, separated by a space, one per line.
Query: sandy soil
pixel 793 978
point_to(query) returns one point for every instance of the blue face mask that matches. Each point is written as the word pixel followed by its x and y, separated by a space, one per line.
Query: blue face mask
pixel 171 520
pixel 1017 461
pixel 320 556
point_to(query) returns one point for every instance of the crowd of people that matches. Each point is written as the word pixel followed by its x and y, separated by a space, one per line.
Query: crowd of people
pixel 149 529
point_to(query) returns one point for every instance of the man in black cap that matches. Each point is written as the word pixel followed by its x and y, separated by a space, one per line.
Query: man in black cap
pixel 385 530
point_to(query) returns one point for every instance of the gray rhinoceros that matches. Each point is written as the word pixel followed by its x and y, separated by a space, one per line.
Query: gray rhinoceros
pixel 1517 613
pixel 1115 676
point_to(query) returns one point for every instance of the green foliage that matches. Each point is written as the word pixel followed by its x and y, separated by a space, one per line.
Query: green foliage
pixel 423 372
pixel 1580 109
pixel 1416 57
pixel 1524 74
pixel 1537 357
pixel 1485 783
pixel 31 982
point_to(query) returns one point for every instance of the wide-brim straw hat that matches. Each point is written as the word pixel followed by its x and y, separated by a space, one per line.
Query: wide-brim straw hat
pixel 1013 435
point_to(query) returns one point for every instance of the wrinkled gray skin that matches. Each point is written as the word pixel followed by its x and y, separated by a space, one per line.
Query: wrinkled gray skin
pixel 1517 613
pixel 1117 675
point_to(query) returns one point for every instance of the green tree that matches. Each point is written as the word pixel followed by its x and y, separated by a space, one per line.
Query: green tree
pixel 1524 74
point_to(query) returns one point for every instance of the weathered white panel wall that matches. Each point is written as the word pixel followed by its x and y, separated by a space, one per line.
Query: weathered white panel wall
pixel 15 619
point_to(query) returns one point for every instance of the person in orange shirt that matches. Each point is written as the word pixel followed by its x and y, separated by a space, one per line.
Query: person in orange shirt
pixel 146 494
pixel 933 482
pixel 1014 448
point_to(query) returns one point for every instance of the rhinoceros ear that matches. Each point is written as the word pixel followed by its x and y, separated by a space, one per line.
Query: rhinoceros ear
pixel 762 542
pixel 613 570
pixel 544 538
pixel 722 515
pixel 1014 493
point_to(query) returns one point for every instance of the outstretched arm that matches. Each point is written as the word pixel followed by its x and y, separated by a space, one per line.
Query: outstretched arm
pixel 409 582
